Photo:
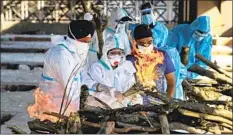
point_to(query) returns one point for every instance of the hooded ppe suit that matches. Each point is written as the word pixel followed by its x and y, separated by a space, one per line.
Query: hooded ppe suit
pixel 59 63
pixel 120 28
pixel 184 35
pixel 121 78
pixel 159 30
pixel 94 46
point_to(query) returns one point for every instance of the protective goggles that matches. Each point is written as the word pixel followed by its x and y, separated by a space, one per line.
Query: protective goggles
pixel 116 52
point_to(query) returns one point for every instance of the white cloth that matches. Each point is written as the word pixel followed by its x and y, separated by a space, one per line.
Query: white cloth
pixel 88 17
pixel 121 78
pixel 59 62
pixel 113 28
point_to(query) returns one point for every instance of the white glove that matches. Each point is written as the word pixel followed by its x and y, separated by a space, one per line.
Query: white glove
pixel 88 17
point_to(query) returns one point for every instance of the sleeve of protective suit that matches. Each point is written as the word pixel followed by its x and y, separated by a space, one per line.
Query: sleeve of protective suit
pixel 87 80
pixel 205 51
pixel 96 73
pixel 173 40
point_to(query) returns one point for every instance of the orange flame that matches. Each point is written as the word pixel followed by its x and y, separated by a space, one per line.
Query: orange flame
pixel 146 66
pixel 45 103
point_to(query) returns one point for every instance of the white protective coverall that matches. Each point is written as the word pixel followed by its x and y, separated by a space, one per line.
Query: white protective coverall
pixel 59 63
pixel 121 78
pixel 94 47
pixel 115 27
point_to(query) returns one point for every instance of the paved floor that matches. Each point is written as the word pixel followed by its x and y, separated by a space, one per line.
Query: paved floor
pixel 16 103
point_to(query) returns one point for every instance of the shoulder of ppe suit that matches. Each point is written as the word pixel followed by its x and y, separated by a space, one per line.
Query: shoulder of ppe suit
pixel 161 26
pixel 56 55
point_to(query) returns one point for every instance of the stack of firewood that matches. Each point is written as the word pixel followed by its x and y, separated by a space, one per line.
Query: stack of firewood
pixel 206 110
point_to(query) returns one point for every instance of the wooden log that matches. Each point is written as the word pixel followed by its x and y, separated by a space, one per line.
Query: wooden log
pixel 184 55
pixel 204 116
pixel 83 96
pixel 220 78
pixel 127 110
pixel 110 127
pixel 214 66
pixel 16 130
pixel 211 95
pixel 20 77
pixel 164 124
pixel 192 130
pixel 37 125
pixel 126 129
pixel 177 103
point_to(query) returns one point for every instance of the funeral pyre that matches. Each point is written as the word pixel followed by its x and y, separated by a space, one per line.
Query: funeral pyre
pixel 206 110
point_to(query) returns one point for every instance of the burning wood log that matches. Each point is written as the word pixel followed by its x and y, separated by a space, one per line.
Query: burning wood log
pixel 214 66
pixel 220 78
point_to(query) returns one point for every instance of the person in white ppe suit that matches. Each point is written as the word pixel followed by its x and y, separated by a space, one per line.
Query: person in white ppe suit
pixel 117 24
pixel 67 57
pixel 112 75
pixel 94 47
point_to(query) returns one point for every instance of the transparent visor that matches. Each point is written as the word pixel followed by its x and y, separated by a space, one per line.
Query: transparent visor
pixel 146 11
pixel 113 53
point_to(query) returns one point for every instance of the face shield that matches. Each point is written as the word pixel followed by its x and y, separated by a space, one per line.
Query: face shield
pixel 147 16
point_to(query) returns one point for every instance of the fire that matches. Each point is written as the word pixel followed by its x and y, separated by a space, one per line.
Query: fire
pixel 146 66
pixel 45 103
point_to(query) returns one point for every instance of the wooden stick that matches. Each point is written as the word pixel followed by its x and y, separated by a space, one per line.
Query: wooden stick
pixel 164 124
pixel 214 66
pixel 220 78
pixel 204 116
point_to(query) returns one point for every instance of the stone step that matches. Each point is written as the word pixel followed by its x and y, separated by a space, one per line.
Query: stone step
pixel 22 58
pixel 13 37
pixel 20 77
pixel 8 46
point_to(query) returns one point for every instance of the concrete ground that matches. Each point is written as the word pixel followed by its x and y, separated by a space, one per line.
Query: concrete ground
pixel 16 103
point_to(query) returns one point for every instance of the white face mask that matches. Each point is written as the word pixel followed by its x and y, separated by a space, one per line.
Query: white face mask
pixel 115 60
pixel 145 50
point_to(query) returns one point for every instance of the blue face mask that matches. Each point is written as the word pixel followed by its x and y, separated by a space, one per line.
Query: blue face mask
pixel 147 19
pixel 198 36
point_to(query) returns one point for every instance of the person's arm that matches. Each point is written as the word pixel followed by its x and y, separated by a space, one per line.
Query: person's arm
pixel 169 75
pixel 170 84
